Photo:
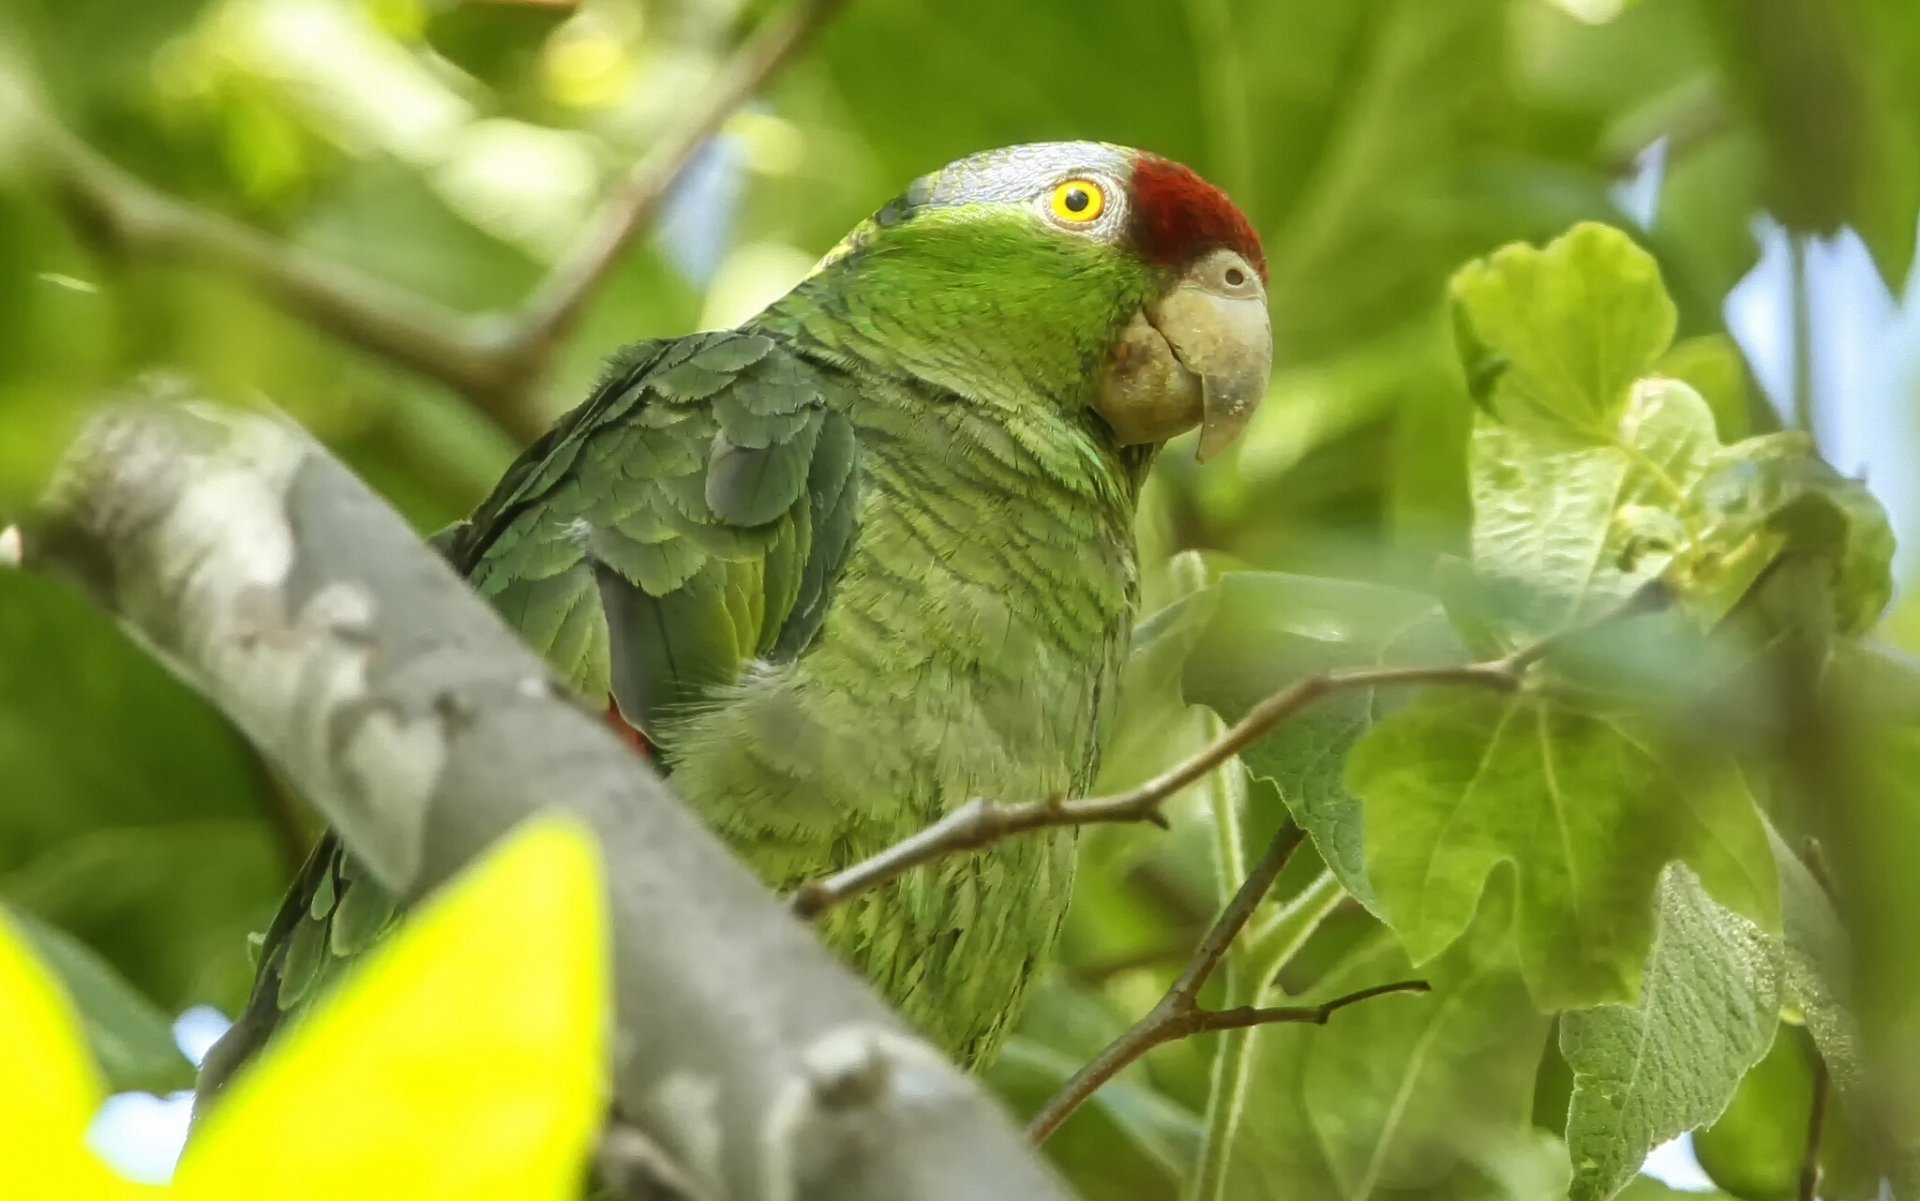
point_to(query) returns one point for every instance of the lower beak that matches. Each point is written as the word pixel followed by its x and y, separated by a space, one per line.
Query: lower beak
pixel 1194 356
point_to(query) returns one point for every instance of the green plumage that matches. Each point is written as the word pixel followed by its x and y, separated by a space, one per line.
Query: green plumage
pixel 848 566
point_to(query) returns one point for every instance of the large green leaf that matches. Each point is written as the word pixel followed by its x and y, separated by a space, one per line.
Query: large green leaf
pixel 1645 1073
pixel 1408 1097
pixel 1585 808
pixel 1596 468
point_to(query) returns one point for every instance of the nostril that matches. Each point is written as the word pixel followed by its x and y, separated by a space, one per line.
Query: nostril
pixel 1235 277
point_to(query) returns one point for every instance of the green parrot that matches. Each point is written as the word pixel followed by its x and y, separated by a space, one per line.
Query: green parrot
pixel 871 554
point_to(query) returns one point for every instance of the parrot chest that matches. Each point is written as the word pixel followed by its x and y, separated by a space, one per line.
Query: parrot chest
pixel 973 648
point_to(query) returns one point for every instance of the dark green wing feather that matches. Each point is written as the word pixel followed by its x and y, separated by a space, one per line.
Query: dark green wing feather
pixel 691 517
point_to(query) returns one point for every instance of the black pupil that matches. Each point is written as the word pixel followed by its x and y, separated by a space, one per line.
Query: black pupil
pixel 1077 200
pixel 1235 278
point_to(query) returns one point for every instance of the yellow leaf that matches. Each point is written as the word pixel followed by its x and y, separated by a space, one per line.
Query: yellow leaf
pixel 49 1087
pixel 465 1060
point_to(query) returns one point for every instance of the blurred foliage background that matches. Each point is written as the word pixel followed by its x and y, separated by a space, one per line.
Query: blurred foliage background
pixel 453 148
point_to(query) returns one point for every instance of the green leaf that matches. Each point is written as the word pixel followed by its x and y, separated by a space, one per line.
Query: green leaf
pixel 1815 962
pixel 1556 336
pixel 1254 633
pixel 1827 89
pixel 1773 493
pixel 1584 807
pixel 1564 529
pixel 1713 366
pixel 1645 1073
pixel 1404 1096
pixel 1756 1148
pixel 131 1039
pixel 121 786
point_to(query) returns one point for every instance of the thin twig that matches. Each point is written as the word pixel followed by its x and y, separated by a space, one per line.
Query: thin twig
pixel 1816 1124
pixel 1800 307
pixel 981 822
pixel 1179 1013
pixel 133 217
pixel 556 305
pixel 498 361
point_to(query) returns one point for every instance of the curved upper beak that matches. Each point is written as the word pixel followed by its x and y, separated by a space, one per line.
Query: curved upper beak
pixel 1199 354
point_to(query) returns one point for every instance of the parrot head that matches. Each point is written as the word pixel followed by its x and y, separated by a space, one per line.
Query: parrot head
pixel 1102 278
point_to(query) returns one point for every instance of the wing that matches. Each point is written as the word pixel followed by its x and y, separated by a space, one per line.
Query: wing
pixel 690 518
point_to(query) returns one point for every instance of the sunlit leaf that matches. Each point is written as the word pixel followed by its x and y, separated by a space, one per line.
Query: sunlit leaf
pixel 466 1059
pixel 1556 336
pixel 1568 526
pixel 1775 491
pixel 49 1088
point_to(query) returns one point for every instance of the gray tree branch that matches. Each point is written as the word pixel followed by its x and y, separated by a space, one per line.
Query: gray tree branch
pixel 270 579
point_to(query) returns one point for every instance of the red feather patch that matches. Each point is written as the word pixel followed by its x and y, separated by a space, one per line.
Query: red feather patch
pixel 1177 217
pixel 626 732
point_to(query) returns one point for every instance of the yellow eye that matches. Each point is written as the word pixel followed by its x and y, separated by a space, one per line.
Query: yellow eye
pixel 1078 201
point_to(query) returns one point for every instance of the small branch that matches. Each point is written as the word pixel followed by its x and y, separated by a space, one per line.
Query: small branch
pixel 1179 1013
pixel 497 361
pixel 981 822
pixel 554 308
pixel 1816 1124
pixel 357 308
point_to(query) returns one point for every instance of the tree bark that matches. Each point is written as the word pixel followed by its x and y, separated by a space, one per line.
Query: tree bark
pixel 266 576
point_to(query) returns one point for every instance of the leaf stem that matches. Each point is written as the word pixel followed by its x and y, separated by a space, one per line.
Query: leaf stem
pixel 1816 1125
pixel 1268 948
pixel 1275 942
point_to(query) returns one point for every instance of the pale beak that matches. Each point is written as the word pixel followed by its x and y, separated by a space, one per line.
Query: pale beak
pixel 1199 355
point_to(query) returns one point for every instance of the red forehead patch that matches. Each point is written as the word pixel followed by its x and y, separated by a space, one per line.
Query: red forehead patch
pixel 1177 216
